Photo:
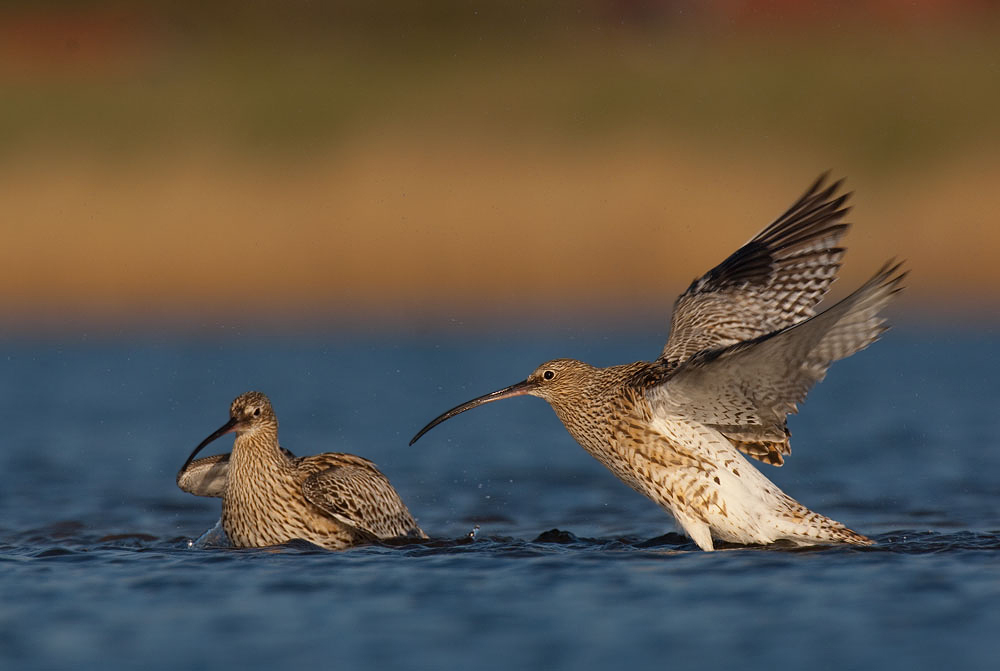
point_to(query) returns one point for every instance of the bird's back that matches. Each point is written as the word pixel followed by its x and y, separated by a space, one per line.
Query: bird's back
pixel 352 490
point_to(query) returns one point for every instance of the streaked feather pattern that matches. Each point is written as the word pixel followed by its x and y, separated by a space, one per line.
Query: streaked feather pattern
pixel 269 496
pixel 772 282
pixel 745 347
pixel 746 390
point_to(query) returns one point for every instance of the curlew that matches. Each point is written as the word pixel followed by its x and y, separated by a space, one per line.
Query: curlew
pixel 270 497
pixel 746 344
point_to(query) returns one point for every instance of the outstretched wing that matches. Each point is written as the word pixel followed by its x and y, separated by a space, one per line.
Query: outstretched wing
pixel 747 390
pixel 207 476
pixel 354 492
pixel 770 283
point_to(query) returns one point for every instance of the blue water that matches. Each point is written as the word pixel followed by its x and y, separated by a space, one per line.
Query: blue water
pixel 569 569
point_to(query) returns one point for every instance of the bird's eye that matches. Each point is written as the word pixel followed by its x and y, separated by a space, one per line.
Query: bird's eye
pixel 256 413
pixel 548 375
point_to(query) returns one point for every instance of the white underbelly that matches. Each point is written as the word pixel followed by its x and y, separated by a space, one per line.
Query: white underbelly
pixel 724 490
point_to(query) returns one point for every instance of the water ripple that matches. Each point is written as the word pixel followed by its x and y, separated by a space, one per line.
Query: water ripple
pixel 75 540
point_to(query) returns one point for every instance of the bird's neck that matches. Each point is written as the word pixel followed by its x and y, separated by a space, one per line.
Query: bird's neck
pixel 256 453
pixel 591 413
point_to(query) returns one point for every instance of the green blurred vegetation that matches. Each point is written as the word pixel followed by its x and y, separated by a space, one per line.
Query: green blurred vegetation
pixel 397 160
pixel 275 78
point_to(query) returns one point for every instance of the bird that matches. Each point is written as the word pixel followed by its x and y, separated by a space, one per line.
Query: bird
pixel 746 344
pixel 269 496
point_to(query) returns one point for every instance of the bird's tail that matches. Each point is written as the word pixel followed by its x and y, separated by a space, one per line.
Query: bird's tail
pixel 805 527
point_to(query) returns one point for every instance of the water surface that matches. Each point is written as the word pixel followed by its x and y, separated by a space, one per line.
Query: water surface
pixel 569 567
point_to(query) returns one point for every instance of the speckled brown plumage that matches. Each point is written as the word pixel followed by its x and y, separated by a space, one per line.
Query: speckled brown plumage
pixel 745 347
pixel 269 496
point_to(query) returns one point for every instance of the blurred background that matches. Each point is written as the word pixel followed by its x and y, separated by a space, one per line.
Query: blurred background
pixel 416 165
pixel 374 211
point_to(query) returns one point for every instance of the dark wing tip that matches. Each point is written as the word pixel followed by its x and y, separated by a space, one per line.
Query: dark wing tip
pixel 891 275
pixel 816 192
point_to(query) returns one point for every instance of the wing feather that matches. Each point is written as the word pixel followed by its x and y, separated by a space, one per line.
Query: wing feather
pixel 747 390
pixel 772 282
pixel 206 476
pixel 356 493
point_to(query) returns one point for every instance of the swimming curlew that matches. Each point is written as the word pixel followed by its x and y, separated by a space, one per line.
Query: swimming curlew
pixel 745 347
pixel 270 497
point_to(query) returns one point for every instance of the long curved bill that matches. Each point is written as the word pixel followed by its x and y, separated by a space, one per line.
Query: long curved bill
pixel 223 430
pixel 519 389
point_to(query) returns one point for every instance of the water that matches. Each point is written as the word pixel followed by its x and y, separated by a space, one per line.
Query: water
pixel 570 568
